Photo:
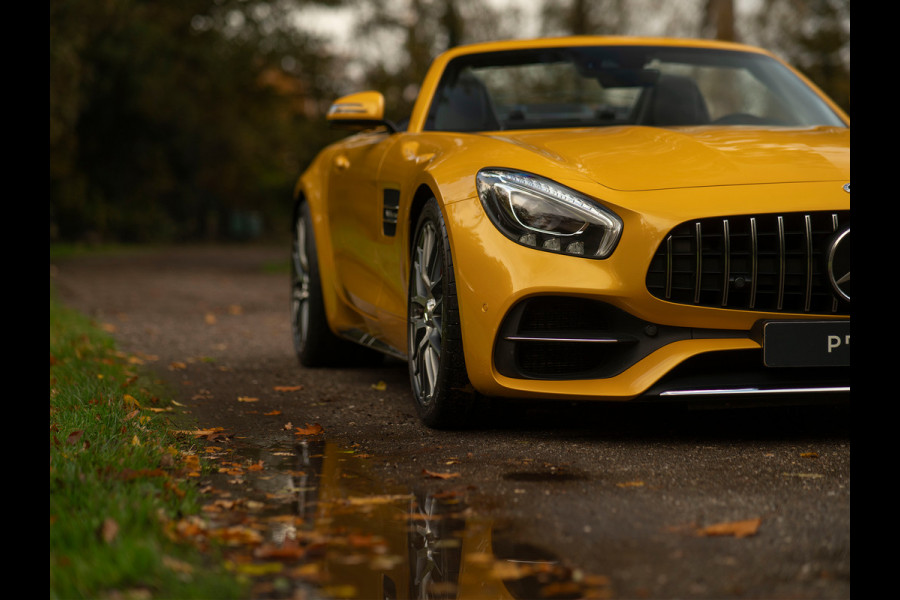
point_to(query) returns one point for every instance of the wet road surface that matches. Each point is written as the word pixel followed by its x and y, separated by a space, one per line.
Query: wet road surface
pixel 536 500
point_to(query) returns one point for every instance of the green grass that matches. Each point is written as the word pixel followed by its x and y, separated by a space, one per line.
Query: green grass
pixel 118 479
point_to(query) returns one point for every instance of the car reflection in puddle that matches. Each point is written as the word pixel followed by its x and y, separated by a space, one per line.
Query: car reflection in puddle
pixel 318 523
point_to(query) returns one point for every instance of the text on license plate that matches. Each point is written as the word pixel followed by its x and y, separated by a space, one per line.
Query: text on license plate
pixel 806 343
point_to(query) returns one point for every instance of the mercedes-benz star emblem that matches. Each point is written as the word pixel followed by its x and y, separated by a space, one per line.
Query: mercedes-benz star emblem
pixel 839 264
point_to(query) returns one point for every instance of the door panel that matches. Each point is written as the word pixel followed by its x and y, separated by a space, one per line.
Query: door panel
pixel 355 214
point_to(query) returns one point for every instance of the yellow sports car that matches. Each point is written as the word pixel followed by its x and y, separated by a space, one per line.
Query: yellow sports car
pixel 584 218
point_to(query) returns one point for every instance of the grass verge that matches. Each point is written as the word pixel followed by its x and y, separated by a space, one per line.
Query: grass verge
pixel 120 485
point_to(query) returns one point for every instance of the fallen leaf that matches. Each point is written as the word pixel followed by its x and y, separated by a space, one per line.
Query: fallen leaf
pixel 738 529
pixel 434 475
pixel 247 399
pixel 314 429
pixel 237 535
pixel 290 550
pixel 177 366
pixel 74 436
pixel 625 484
pixel 210 319
pixel 288 388
pixel 273 413
pixel 259 569
pixel 809 454
pixel 380 386
pixel 109 529
pixel 179 566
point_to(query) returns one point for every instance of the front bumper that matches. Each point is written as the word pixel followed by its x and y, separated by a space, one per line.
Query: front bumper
pixel 616 340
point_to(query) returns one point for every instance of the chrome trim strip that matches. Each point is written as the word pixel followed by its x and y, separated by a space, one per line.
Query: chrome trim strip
pixel 754 264
pixel 834 228
pixel 781 263
pixel 669 267
pixel 364 339
pixel 807 221
pixel 699 272
pixel 752 391
pixel 726 270
pixel 523 338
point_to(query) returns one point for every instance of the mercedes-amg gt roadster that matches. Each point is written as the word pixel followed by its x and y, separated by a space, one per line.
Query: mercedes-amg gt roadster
pixel 584 218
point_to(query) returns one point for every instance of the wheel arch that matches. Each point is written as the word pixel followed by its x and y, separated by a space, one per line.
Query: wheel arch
pixel 421 196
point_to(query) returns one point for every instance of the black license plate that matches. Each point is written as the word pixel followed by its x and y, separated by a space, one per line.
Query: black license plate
pixel 806 343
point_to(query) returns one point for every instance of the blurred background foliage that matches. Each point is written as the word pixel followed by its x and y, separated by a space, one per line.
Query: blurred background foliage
pixel 191 120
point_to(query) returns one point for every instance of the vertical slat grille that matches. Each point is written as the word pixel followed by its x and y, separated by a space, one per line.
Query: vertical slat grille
pixel 754 262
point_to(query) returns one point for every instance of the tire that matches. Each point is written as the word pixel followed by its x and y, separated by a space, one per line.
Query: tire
pixel 437 370
pixel 314 342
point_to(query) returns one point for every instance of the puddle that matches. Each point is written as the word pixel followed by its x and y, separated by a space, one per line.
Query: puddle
pixel 311 521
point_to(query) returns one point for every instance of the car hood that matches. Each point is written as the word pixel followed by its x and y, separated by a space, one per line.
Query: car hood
pixel 649 158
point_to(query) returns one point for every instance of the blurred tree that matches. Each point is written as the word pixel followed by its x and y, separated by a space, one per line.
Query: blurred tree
pixel 184 120
pixel 812 35
pixel 719 20
pixel 401 39
pixel 584 17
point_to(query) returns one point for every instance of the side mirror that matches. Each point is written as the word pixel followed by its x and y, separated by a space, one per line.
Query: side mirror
pixel 360 110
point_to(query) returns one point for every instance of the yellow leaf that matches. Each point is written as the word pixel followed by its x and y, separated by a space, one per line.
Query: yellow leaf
pixel 738 529
pixel 288 388
pixel 380 386
pixel 210 319
pixel 135 441
pixel 247 399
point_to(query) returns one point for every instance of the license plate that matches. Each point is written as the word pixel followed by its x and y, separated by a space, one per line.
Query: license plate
pixel 806 343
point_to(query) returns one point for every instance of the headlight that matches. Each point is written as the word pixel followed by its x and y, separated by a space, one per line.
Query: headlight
pixel 543 214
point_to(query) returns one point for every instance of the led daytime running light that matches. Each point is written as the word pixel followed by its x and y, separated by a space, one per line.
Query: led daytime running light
pixel 555 192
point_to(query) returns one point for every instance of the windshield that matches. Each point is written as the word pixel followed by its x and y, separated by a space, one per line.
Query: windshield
pixel 621 85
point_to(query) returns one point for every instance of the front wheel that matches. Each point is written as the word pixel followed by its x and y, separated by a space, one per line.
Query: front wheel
pixel 437 370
